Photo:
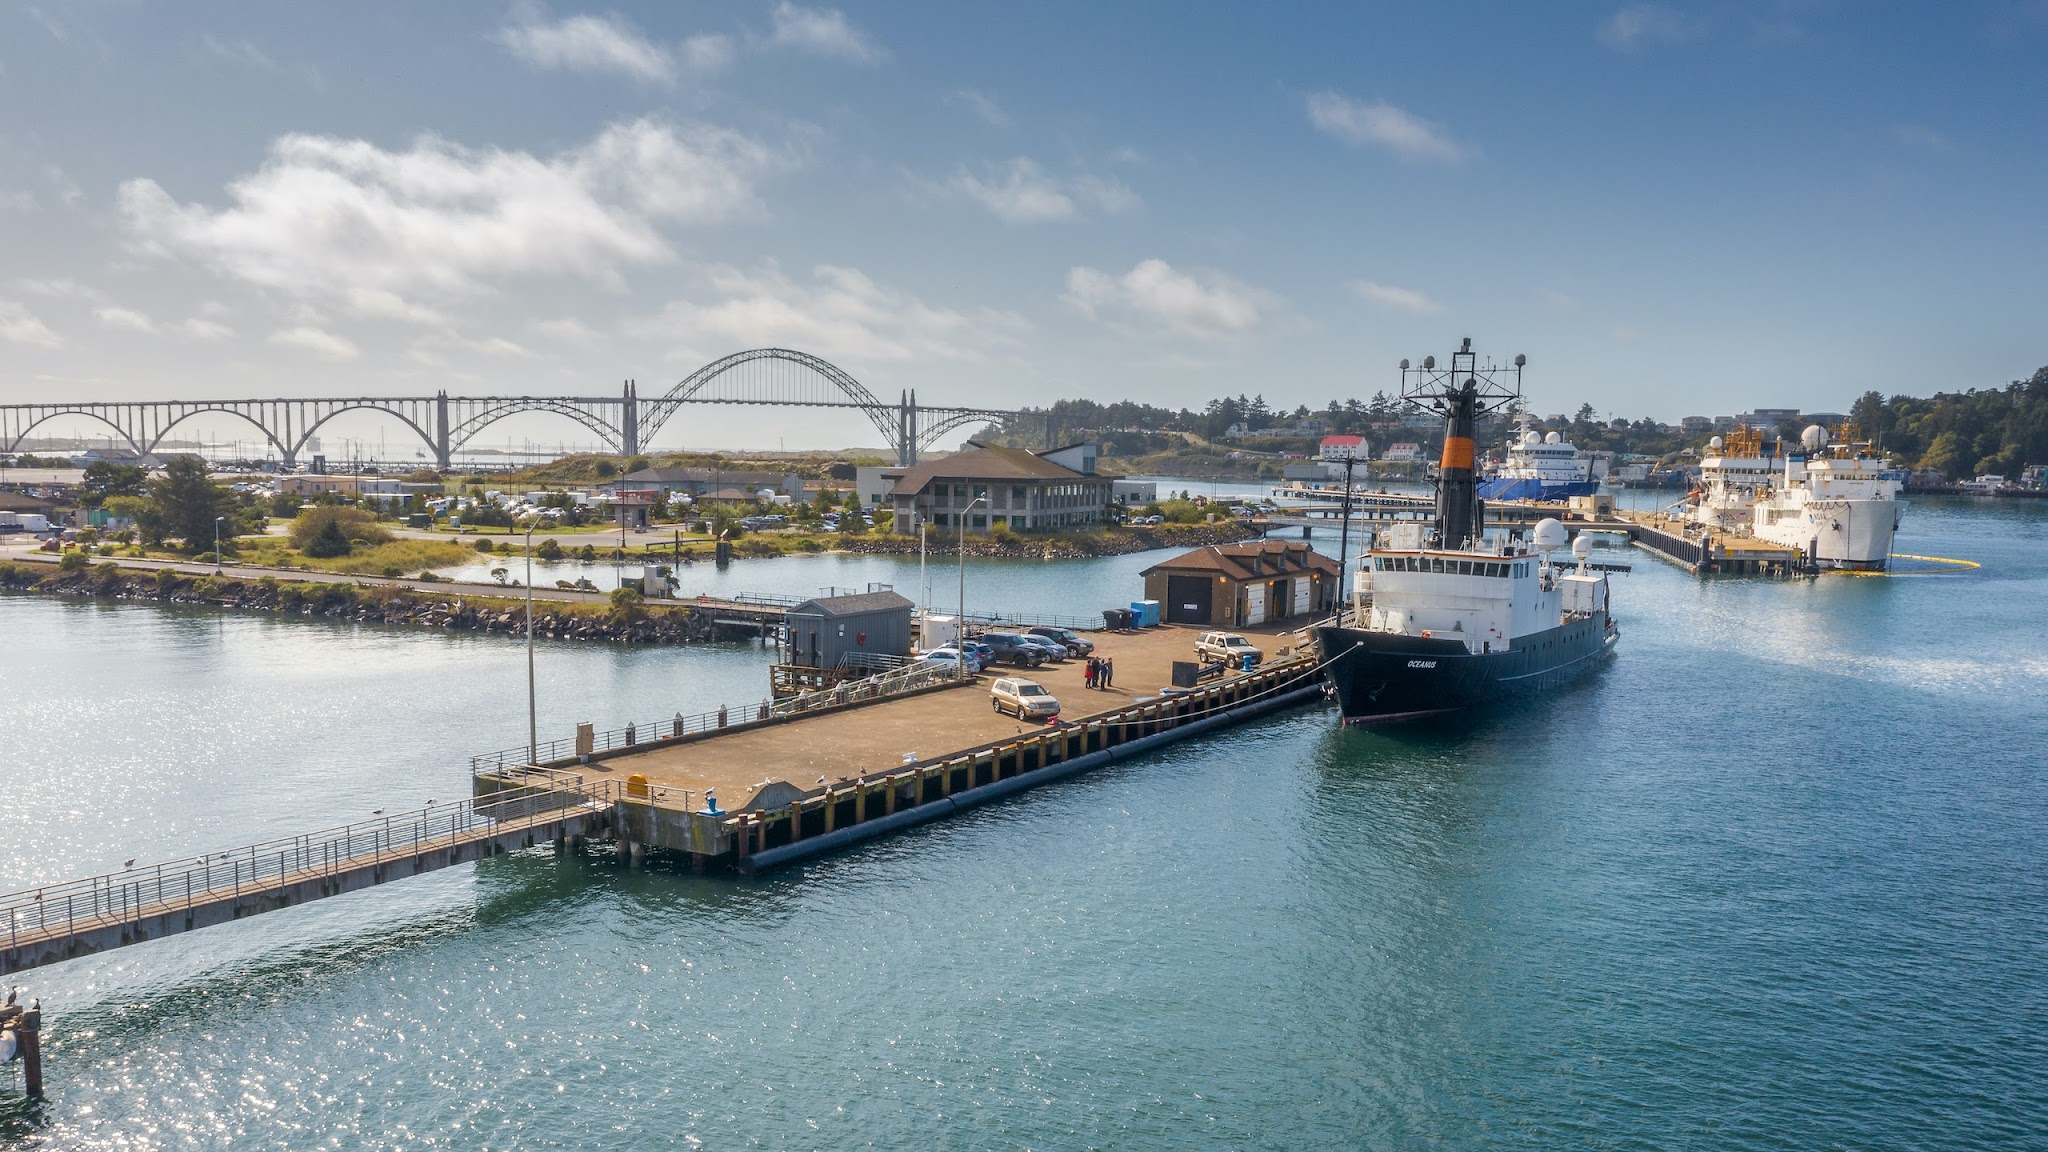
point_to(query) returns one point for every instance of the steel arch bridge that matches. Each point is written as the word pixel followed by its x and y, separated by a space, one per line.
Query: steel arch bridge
pixel 760 376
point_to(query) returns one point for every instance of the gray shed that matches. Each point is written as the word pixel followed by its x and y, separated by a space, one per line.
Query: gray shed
pixel 825 631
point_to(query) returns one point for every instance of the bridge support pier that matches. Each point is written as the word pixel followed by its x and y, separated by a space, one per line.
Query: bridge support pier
pixel 443 458
pixel 629 421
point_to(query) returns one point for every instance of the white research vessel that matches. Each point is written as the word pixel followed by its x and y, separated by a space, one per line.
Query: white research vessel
pixel 1835 501
pixel 1457 617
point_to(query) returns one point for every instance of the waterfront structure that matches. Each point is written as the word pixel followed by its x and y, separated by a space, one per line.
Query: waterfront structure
pixel 1402 452
pixel 1243 585
pixel 704 483
pixel 1449 616
pixel 849 629
pixel 1019 489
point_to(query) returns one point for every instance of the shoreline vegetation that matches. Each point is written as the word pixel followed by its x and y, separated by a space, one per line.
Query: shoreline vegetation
pixel 623 617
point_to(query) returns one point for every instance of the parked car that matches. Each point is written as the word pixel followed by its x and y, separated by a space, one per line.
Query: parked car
pixel 1010 648
pixel 1025 699
pixel 951 658
pixel 1053 649
pixel 982 652
pixel 1075 643
pixel 1228 647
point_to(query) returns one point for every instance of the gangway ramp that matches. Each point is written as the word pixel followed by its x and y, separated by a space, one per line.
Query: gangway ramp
pixel 74 918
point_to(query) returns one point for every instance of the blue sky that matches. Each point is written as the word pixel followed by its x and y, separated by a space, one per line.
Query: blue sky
pixel 1671 209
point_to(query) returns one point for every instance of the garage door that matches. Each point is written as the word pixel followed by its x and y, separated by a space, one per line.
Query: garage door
pixel 1254 604
pixel 1190 599
pixel 1301 594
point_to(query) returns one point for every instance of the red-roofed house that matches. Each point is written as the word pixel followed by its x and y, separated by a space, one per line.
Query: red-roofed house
pixel 1336 448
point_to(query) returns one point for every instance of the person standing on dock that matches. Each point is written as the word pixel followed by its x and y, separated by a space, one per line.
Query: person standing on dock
pixel 1088 673
pixel 1107 676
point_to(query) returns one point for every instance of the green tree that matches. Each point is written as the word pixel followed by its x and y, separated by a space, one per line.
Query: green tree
pixel 627 604
pixel 104 478
pixel 327 541
pixel 189 503
pixel 1945 455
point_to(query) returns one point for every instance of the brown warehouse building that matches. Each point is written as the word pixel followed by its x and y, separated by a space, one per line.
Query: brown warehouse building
pixel 1242 585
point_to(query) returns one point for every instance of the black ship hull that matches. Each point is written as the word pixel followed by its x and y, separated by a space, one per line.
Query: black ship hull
pixel 1378 677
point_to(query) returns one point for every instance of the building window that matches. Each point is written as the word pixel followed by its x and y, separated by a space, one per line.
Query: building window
pixel 1017 494
pixel 980 521
pixel 981 491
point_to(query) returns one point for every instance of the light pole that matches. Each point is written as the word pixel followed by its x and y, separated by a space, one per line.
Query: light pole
pixel 532 715
pixel 1344 535
pixel 960 642
pixel 217 522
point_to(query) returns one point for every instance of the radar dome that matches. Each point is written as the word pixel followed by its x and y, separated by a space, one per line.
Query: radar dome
pixel 1552 438
pixel 1581 546
pixel 1532 437
pixel 1549 535
pixel 1715 443
pixel 1814 438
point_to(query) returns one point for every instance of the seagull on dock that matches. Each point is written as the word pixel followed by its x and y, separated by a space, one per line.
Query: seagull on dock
pixel 128 863
pixel 199 860
pixel 12 993
pixel 376 811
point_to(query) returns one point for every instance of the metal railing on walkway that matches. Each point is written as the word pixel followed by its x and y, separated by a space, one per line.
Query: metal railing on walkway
pixel 150 889
pixel 894 682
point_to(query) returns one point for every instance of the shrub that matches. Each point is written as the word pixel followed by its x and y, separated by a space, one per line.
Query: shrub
pixel 106 575
pixel 429 576
pixel 627 603
pixel 549 549
pixel 483 544
pixel 393 572
pixel 207 558
pixel 166 582
pixel 12 575
pixel 105 550
pixel 72 562
pixel 326 530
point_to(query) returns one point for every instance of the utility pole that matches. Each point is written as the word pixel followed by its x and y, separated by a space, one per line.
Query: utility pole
pixel 1344 534
pixel 532 712
pixel 960 644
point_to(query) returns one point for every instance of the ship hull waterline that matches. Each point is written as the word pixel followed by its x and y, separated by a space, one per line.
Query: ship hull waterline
pixel 1381 677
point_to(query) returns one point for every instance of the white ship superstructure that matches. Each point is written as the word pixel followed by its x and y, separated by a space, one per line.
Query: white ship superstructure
pixel 1838 504
pixel 1733 474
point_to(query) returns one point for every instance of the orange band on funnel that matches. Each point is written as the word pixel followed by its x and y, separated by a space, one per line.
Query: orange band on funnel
pixel 1457 452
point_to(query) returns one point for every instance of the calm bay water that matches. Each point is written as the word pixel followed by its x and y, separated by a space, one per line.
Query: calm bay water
pixel 1773 879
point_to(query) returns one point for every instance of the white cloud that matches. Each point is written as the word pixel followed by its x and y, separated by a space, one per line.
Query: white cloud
pixel 20 326
pixel 1156 294
pixel 982 105
pixel 1382 125
pixel 125 320
pixel 378 231
pixel 200 328
pixel 823 32
pixel 1639 26
pixel 586 44
pixel 241 52
pixel 708 53
pixel 17 201
pixel 568 330
pixel 1399 299
pixel 318 341
pixel 1020 191
pixel 62 288
pixel 1109 195
pixel 838 312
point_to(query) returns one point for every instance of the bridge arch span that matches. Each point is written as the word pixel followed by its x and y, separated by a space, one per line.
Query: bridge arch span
pixel 692 389
pixel 472 423
pixel 181 417
pixel 52 415
pixel 313 428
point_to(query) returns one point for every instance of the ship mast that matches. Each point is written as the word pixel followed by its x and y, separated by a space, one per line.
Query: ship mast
pixel 1462 392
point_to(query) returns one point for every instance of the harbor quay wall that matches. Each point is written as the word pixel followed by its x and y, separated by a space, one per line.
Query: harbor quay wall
pixel 363 602
pixel 786 826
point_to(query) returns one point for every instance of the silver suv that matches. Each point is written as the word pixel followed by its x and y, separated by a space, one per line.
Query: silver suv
pixel 1228 647
pixel 1025 699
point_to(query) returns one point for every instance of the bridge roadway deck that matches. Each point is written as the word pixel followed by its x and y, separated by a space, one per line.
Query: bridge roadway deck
pixel 814 753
